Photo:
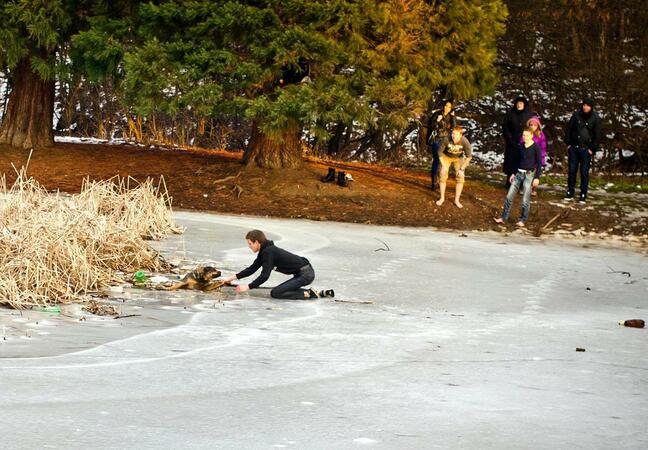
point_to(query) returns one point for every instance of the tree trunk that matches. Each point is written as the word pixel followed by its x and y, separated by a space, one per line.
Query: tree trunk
pixel 278 150
pixel 335 143
pixel 28 119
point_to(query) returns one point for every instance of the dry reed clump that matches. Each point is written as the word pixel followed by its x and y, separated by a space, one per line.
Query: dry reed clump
pixel 56 248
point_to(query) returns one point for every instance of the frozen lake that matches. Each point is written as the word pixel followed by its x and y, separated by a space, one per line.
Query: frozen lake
pixel 469 343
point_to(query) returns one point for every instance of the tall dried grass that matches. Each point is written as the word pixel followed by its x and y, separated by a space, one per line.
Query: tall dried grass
pixel 56 248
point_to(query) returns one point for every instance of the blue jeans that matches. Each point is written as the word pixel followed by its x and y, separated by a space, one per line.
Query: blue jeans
pixel 578 156
pixel 524 179
pixel 291 289
pixel 435 161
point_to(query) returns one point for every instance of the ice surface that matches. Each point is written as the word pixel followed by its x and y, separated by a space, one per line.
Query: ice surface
pixel 470 343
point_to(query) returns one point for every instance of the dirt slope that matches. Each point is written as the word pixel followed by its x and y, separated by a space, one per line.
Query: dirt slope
pixel 217 181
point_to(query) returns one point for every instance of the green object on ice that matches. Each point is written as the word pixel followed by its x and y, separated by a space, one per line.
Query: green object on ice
pixel 140 276
pixel 50 309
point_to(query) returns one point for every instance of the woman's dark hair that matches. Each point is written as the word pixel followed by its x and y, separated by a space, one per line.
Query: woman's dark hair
pixel 447 100
pixel 256 236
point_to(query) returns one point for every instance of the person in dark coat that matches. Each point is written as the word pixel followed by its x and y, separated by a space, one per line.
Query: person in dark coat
pixel 515 121
pixel 440 125
pixel 582 137
pixel 272 257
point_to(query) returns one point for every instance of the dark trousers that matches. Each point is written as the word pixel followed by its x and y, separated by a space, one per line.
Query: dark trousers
pixel 291 289
pixel 435 162
pixel 511 160
pixel 578 156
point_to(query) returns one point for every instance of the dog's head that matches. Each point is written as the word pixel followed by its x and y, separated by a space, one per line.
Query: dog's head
pixel 208 273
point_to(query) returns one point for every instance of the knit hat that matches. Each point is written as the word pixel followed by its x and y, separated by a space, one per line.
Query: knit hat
pixel 589 101
pixel 536 120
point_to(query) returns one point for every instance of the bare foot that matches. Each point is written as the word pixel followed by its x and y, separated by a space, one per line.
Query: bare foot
pixel 458 205
pixel 520 224
pixel 440 201
pixel 499 220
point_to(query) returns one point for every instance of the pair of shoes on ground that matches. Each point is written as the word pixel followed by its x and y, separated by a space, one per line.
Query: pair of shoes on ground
pixel 581 199
pixel 343 178
pixel 325 293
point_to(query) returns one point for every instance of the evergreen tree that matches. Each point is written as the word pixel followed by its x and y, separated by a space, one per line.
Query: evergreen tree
pixel 299 66
pixel 30 32
pixel 36 37
pixel 293 68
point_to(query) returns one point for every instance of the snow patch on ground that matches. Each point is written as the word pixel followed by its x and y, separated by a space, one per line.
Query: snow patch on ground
pixel 489 160
pixel 3 90
pixel 86 140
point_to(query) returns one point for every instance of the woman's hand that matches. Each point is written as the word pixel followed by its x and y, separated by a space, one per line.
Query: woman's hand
pixel 241 288
pixel 230 279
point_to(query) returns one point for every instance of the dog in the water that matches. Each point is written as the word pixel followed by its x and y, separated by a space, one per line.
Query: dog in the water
pixel 202 277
